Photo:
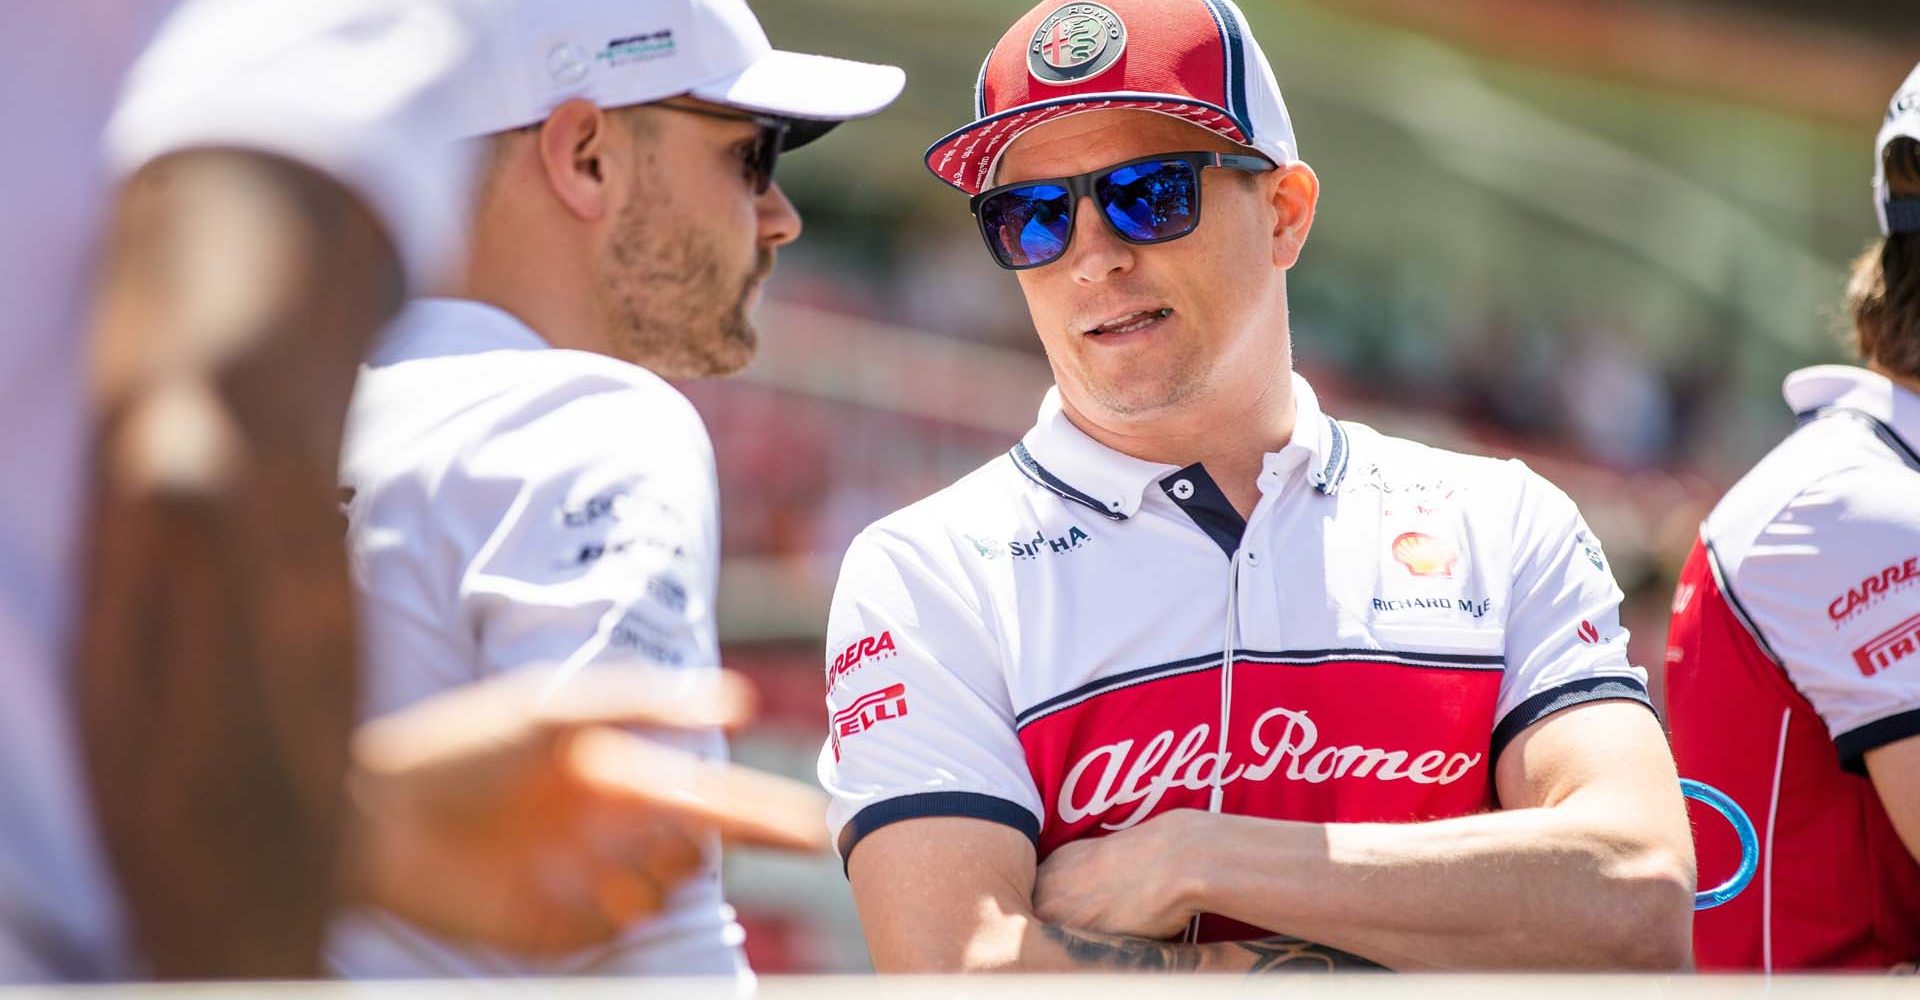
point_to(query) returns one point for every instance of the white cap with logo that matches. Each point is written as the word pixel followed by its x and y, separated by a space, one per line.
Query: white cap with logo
pixel 1897 215
pixel 538 54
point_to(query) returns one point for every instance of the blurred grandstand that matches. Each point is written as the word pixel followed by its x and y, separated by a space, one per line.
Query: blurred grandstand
pixel 1594 234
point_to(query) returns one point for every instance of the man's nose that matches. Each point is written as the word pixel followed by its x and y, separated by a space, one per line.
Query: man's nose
pixel 779 220
pixel 1096 252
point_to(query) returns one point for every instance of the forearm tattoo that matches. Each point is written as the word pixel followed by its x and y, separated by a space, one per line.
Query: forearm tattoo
pixel 1123 953
pixel 1128 954
pixel 1290 954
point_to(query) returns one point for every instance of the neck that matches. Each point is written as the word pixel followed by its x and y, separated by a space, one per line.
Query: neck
pixel 1911 384
pixel 526 265
pixel 1231 439
pixel 560 320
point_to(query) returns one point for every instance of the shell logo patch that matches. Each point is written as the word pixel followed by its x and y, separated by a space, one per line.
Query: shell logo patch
pixel 1424 555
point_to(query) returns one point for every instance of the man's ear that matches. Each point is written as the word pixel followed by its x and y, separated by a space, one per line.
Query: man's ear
pixel 573 151
pixel 1296 196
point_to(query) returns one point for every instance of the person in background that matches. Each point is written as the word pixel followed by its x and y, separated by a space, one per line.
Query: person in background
pixel 524 487
pixel 1793 661
pixel 182 792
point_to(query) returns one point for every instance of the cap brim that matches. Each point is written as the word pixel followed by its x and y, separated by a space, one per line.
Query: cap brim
pixel 966 157
pixel 817 92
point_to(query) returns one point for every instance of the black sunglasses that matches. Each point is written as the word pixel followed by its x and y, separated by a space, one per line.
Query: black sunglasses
pixel 757 168
pixel 1149 200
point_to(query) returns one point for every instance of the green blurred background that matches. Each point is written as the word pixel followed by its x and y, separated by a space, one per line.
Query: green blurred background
pixel 1595 234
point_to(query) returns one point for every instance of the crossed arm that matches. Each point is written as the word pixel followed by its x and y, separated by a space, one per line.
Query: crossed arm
pixel 956 895
pixel 1590 865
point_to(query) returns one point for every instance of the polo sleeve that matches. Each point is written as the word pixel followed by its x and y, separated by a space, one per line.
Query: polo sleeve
pixel 1832 587
pixel 594 534
pixel 1565 645
pixel 919 719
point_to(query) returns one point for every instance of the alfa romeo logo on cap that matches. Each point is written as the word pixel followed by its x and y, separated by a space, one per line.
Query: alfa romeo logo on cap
pixel 1075 42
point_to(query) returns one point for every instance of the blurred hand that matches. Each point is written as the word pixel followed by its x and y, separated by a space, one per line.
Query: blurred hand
pixel 509 813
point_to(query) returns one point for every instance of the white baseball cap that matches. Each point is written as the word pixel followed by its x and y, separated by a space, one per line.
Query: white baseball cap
pixel 537 54
pixel 1897 215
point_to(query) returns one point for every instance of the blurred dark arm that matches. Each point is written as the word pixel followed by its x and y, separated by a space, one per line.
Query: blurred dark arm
pixel 215 641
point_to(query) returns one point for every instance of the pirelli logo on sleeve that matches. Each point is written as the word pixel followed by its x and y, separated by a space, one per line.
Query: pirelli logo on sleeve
pixel 1889 648
pixel 867 711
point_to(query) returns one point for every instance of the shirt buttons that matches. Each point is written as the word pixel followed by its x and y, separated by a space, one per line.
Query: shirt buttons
pixel 1253 558
pixel 1183 489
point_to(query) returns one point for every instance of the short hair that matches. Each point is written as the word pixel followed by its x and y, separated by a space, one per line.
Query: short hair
pixel 637 119
pixel 1883 293
pixel 640 119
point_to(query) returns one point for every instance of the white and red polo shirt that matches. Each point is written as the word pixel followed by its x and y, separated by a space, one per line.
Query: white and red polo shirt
pixel 1070 640
pixel 1795 650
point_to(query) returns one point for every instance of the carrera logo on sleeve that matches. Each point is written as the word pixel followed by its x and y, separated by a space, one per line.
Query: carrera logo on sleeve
pixel 866 712
pixel 1873 589
pixel 1889 647
pixel 855 656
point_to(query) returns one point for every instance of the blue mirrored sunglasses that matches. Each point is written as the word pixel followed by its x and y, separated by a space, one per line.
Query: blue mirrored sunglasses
pixel 1149 200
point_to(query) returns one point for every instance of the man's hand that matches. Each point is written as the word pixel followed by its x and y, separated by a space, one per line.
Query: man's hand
pixel 1121 883
pixel 509 813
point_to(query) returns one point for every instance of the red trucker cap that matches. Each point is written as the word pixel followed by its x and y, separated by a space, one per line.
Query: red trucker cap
pixel 1195 60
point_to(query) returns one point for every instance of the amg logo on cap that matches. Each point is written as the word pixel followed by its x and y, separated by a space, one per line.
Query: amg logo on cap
pixel 1078 41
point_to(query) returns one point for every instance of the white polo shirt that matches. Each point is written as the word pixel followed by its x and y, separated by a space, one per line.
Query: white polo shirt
pixel 289 79
pixel 1069 640
pixel 512 505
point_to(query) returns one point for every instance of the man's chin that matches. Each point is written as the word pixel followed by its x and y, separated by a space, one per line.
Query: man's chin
pixel 733 352
pixel 1140 398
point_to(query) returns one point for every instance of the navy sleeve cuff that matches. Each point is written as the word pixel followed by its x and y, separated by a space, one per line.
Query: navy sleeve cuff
pixel 1558 699
pixel 972 805
pixel 1854 743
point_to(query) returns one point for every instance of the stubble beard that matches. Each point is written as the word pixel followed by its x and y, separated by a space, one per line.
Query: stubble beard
pixel 1144 388
pixel 677 308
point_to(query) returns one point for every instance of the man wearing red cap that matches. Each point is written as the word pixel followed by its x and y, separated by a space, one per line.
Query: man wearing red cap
pixel 1197 676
